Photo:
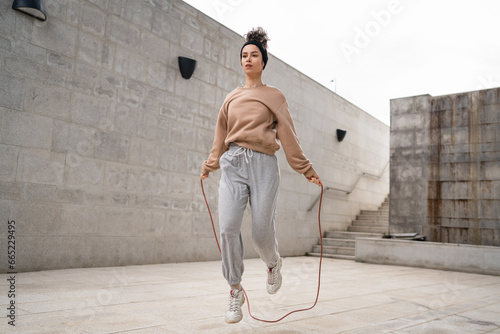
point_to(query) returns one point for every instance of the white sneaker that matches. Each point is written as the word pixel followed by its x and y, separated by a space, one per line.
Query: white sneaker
pixel 274 278
pixel 233 313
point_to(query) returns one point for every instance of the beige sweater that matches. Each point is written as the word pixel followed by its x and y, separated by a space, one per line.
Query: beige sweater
pixel 257 118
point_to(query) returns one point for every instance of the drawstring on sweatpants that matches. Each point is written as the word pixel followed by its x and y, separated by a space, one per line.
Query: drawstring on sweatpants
pixel 248 153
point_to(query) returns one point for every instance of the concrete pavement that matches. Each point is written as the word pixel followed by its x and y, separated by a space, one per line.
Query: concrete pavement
pixel 192 297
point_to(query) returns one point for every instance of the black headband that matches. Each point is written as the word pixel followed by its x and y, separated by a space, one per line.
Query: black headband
pixel 261 48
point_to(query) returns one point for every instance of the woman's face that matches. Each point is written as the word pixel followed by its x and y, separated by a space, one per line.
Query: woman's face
pixel 251 59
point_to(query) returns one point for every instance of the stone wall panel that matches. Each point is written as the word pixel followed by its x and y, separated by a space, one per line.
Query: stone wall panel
pixel 460 168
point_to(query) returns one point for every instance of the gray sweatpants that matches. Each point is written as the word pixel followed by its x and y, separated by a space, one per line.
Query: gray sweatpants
pixel 247 176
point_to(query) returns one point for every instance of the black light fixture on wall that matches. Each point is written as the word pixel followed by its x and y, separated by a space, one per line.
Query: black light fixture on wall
pixel 187 67
pixel 341 134
pixel 33 8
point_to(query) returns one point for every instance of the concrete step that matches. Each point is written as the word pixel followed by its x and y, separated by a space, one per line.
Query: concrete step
pixel 370 223
pixel 373 213
pixel 372 217
pixel 367 229
pixel 334 256
pixel 339 242
pixel 334 250
pixel 349 235
pixel 376 221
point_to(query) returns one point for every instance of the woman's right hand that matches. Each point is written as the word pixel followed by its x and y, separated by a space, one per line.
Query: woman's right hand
pixel 203 176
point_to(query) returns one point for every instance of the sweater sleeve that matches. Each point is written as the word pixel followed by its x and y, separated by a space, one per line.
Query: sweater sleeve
pixel 285 130
pixel 219 146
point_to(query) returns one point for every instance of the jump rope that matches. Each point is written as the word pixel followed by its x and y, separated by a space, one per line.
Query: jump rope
pixel 320 260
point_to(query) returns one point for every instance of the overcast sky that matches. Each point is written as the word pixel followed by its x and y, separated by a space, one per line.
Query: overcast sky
pixel 377 50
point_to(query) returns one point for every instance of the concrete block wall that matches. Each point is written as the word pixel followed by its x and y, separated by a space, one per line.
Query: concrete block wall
pixel 102 140
pixel 408 166
pixel 476 259
pixel 445 167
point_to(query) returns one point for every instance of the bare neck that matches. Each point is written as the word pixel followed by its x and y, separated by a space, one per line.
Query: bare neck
pixel 253 81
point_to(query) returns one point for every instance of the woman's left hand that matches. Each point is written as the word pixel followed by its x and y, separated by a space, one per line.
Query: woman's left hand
pixel 315 179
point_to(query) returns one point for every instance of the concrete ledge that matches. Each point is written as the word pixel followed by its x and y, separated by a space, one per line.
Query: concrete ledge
pixel 431 255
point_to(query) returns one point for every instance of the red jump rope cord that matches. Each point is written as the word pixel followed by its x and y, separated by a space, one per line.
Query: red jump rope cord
pixel 320 260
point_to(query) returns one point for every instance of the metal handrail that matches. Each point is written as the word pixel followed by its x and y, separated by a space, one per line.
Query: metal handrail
pixel 347 192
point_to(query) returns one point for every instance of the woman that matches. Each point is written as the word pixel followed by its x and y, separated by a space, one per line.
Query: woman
pixel 252 123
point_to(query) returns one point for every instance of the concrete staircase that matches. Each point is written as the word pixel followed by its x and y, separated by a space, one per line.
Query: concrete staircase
pixel 368 224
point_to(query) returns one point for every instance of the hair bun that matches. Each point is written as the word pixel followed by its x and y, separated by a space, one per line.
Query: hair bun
pixel 259 35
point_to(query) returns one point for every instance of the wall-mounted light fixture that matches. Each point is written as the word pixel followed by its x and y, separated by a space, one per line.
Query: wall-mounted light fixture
pixel 341 134
pixel 31 7
pixel 187 67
